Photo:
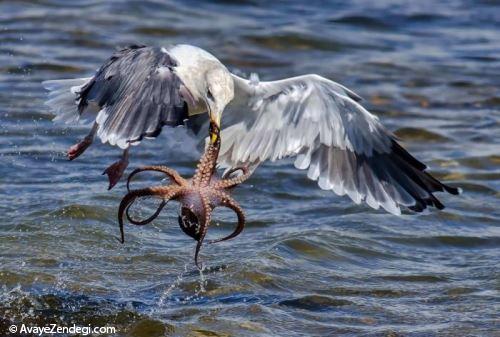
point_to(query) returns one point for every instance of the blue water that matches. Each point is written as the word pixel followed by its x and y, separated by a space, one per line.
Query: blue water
pixel 309 263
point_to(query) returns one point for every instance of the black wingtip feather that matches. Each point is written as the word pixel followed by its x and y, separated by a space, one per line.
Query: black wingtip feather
pixel 415 171
pixel 401 152
pixel 451 190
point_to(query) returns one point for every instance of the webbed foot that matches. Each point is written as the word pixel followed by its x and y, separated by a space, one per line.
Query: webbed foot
pixel 115 172
pixel 76 150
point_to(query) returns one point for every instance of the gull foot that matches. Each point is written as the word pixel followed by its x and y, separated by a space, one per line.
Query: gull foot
pixel 115 172
pixel 76 150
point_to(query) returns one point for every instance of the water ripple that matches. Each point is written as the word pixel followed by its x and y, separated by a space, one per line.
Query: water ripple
pixel 308 262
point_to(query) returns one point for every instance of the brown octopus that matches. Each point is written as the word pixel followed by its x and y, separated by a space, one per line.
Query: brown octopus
pixel 198 196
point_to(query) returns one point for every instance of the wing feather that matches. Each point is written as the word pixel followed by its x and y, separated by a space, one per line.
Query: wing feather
pixel 340 144
pixel 136 93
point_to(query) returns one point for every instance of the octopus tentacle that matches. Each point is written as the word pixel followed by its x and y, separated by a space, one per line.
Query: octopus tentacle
pixel 172 174
pixel 145 221
pixel 207 165
pixel 232 204
pixel 165 192
pixel 235 169
pixel 204 222
pixel 231 182
pixel 203 232
pixel 198 196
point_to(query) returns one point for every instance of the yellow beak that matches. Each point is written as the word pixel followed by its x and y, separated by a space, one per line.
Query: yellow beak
pixel 214 126
pixel 213 137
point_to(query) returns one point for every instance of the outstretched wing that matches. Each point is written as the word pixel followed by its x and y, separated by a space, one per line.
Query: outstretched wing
pixel 344 147
pixel 132 96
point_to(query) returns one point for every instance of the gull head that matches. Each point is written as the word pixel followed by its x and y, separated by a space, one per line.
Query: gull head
pixel 219 92
pixel 206 78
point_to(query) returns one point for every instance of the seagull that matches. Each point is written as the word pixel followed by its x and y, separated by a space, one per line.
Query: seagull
pixel 321 123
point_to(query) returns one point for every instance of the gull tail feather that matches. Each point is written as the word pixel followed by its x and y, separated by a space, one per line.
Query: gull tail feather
pixel 63 99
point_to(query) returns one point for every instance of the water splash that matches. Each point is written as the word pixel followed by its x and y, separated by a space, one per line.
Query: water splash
pixel 167 295
pixel 168 291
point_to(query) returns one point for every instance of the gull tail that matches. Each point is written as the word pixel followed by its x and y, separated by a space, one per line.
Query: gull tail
pixel 63 98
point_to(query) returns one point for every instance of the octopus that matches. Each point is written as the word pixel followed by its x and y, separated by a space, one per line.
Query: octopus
pixel 198 196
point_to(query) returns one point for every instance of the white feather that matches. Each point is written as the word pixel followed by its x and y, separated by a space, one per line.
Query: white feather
pixel 63 99
pixel 314 119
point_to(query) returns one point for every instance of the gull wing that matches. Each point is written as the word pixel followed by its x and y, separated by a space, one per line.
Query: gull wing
pixel 132 96
pixel 343 146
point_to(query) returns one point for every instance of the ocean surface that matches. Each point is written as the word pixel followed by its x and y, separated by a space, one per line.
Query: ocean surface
pixel 309 263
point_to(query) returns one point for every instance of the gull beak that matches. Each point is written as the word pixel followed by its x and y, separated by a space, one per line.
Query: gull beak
pixel 215 118
pixel 213 137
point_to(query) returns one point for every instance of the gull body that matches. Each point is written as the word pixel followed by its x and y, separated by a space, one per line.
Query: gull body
pixel 321 123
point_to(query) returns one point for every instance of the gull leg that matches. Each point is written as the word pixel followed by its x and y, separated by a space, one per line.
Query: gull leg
pixel 115 170
pixel 80 147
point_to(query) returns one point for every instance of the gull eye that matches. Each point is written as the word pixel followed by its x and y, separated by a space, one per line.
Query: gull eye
pixel 209 95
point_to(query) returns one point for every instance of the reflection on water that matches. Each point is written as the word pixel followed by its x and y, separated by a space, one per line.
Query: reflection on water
pixel 309 262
